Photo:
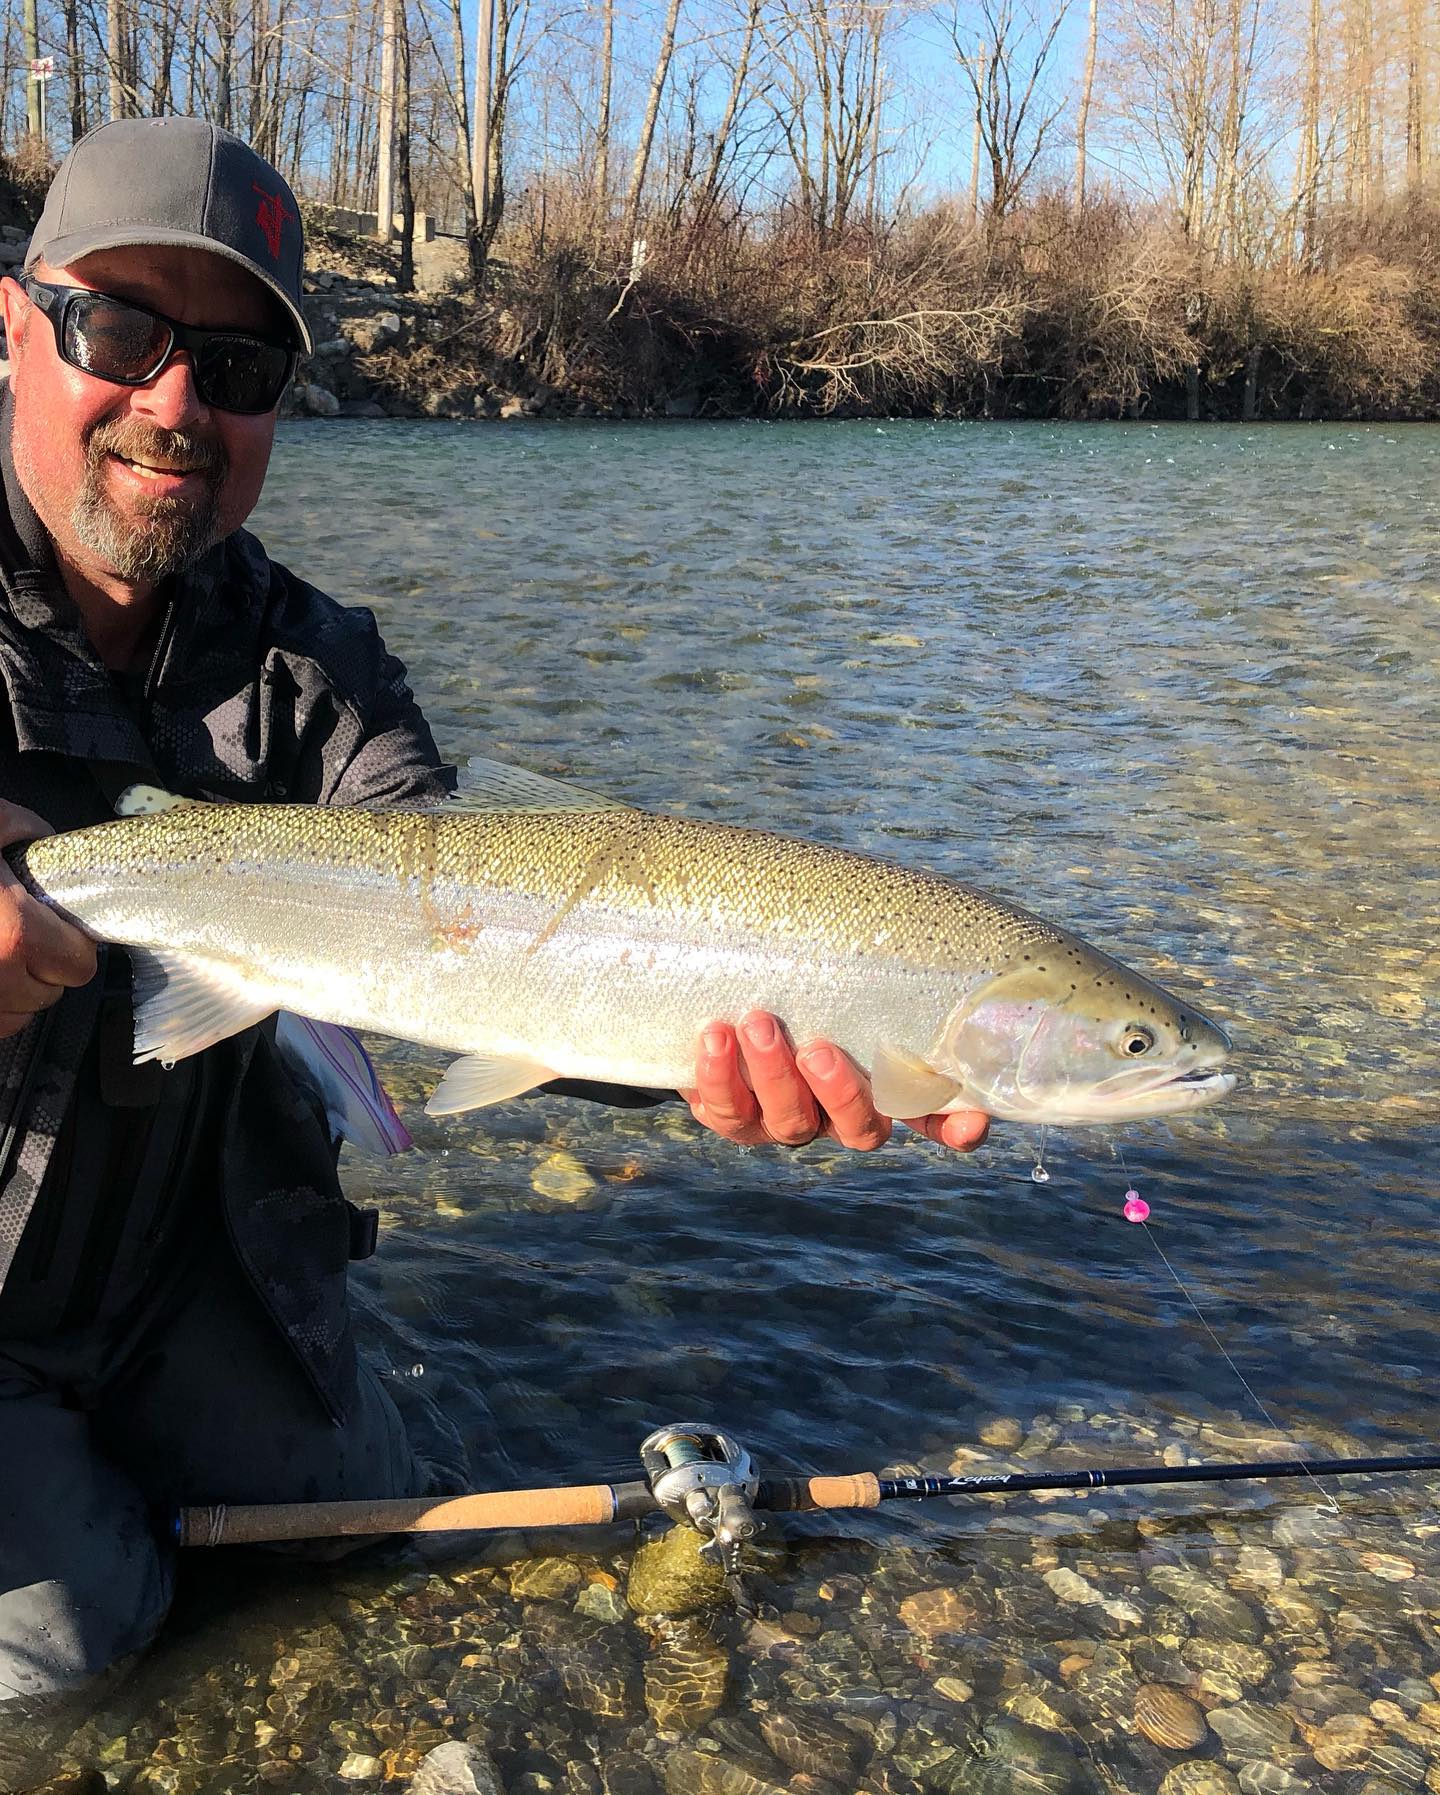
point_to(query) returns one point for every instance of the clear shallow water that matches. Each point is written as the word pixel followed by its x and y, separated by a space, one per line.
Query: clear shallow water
pixel 1175 688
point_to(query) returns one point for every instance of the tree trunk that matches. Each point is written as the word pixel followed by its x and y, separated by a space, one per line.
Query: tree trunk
pixel 1087 85
pixel 647 129
pixel 975 145
pixel 1252 384
pixel 405 274
pixel 1309 169
pixel 602 125
pixel 480 116
pixel 385 167
pixel 710 187
pixel 1414 100
pixel 79 122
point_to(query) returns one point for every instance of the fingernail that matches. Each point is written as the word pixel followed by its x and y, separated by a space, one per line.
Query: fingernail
pixel 760 1032
pixel 822 1061
pixel 714 1039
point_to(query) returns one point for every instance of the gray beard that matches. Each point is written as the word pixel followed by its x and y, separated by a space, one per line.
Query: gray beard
pixel 174 536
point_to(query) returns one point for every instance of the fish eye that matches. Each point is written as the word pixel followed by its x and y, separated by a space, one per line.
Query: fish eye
pixel 1136 1040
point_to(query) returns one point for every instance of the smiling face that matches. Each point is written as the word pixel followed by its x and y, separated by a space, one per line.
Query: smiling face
pixel 134 483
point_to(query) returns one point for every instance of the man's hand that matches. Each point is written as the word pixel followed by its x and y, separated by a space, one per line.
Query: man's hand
pixel 753 1088
pixel 40 953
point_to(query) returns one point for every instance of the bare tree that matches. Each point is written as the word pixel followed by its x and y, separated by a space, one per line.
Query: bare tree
pixel 602 123
pixel 385 172
pixel 826 99
pixel 1015 109
pixel 1087 90
pixel 647 129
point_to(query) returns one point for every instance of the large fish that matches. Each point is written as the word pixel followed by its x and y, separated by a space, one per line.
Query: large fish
pixel 541 931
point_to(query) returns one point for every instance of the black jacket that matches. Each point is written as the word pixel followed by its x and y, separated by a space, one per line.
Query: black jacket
pixel 260 688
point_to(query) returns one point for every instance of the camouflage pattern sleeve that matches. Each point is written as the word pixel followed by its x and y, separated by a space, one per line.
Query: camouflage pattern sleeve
pixel 396 761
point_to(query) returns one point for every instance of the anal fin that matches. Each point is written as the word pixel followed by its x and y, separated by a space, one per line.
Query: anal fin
pixel 480 1079
pixel 903 1084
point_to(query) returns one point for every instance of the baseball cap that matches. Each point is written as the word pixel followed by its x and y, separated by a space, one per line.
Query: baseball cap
pixel 175 181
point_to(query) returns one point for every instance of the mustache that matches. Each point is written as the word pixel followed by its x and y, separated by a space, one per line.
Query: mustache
pixel 138 441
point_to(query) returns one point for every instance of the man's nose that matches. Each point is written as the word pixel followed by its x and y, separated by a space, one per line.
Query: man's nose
pixel 170 400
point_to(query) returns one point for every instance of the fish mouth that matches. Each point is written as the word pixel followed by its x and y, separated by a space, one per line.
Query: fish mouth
pixel 1127 1099
pixel 1171 1094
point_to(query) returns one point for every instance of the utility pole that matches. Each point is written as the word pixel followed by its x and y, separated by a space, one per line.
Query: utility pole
pixel 34 85
pixel 975 143
pixel 385 159
pixel 480 144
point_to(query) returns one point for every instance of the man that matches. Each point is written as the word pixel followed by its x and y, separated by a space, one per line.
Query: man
pixel 173 1244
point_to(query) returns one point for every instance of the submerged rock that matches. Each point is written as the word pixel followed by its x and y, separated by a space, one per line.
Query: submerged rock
pixel 1168 1718
pixel 811 1743
pixel 668 1575
pixel 1250 1731
pixel 686 1679
pixel 1213 1609
pixel 456 1768
pixel 1196 1777
pixel 689 1772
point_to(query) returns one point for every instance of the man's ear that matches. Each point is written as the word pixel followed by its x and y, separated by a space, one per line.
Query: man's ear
pixel 15 308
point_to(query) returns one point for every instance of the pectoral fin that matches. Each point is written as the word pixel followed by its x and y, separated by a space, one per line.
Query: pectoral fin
pixel 185 1005
pixel 149 800
pixel 480 1079
pixel 904 1085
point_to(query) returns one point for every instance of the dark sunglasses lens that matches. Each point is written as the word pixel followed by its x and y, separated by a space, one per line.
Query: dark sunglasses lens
pixel 241 373
pixel 107 338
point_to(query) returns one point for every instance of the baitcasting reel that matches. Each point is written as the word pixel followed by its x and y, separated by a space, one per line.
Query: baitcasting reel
pixel 702 1477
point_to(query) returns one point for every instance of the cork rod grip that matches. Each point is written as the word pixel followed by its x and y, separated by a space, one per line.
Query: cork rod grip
pixel 860 1491
pixel 582 1505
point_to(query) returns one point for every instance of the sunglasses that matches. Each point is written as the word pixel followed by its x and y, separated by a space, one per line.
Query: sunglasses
pixel 115 339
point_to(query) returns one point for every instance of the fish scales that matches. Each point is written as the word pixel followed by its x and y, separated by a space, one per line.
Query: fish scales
pixel 581 943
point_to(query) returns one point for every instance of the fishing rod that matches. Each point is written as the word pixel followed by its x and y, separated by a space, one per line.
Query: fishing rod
pixel 705 1479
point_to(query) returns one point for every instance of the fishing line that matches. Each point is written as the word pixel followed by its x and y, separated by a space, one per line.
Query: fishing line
pixel 1138 1210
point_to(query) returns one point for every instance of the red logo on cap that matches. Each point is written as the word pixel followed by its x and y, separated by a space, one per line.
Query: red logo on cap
pixel 270 215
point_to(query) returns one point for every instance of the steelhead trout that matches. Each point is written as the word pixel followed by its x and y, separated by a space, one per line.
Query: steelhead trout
pixel 538 931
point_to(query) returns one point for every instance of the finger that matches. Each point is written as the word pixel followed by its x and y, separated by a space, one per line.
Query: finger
pixel 55 950
pixel 722 1100
pixel 40 951
pixel 961 1129
pixel 843 1093
pixel 787 1107
pixel 19 824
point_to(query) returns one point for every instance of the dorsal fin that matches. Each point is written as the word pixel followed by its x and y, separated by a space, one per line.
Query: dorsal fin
pixel 491 785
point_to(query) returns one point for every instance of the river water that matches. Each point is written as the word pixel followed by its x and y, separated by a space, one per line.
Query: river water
pixel 1173 687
